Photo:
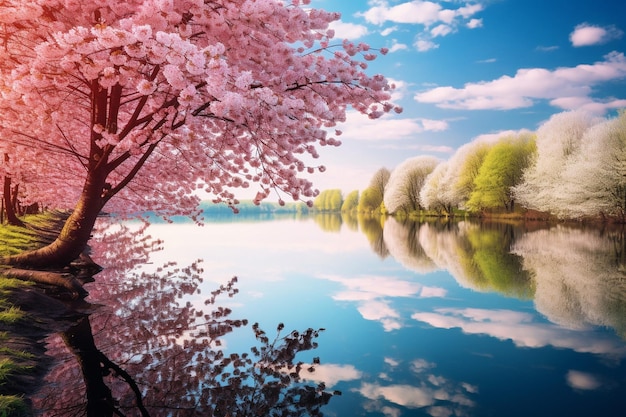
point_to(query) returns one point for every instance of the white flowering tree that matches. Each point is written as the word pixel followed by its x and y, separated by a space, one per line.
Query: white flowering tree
pixel 435 189
pixel 558 140
pixel 405 184
pixel 594 179
pixel 136 104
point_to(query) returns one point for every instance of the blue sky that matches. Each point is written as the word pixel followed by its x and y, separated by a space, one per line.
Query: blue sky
pixel 471 68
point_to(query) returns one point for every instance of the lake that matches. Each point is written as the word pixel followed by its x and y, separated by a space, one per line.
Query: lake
pixel 432 319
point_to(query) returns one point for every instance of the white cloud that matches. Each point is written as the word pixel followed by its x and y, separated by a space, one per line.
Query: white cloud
pixel 470 10
pixel 587 104
pixel 421 12
pixel 435 19
pixel 487 61
pixel 360 127
pixel 345 30
pixel 475 23
pixel 388 31
pixel 587 35
pixel 582 380
pixel 441 30
pixel 528 85
pixel 424 45
pixel 396 46
pixel 434 125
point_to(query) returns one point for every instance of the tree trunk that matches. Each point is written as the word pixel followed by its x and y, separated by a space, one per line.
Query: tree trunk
pixel 76 232
pixel 56 279
pixel 9 207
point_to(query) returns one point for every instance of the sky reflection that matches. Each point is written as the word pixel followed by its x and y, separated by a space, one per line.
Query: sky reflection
pixel 523 330
pixel 435 327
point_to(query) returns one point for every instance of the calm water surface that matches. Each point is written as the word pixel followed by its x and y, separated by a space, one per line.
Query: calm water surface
pixel 419 319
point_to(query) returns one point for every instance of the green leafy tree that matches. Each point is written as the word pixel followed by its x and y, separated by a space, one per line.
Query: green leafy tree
pixel 370 201
pixel 501 170
pixel 372 197
pixel 351 202
pixel 328 200
pixel 464 167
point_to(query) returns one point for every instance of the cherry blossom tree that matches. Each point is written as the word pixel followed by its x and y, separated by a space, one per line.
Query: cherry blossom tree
pixel 137 104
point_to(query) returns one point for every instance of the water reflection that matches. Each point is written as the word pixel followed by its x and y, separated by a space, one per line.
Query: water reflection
pixel 424 319
pixel 576 277
pixel 523 329
pixel 439 395
pixel 144 351
pixel 372 228
pixel 579 276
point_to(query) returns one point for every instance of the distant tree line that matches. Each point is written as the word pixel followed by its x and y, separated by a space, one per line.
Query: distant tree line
pixel 573 166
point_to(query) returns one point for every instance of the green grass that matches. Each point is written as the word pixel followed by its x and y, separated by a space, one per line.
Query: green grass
pixel 12 406
pixel 11 315
pixel 19 354
pixel 14 240
pixel 18 239
pixel 9 367
pixel 7 284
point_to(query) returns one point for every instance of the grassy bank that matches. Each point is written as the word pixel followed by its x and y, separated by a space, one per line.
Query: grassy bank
pixel 22 317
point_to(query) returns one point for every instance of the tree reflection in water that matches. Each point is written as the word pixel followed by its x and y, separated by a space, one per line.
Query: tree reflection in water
pixel 372 228
pixel 580 276
pixel 575 276
pixel 143 352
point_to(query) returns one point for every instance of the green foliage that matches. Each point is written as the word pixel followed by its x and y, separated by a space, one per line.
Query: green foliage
pixel 351 202
pixel 501 170
pixel 328 200
pixel 370 201
pixel 12 406
pixel 464 185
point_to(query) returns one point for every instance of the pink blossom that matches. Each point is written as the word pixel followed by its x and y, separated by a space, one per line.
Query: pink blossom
pixel 174 77
pixel 223 89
